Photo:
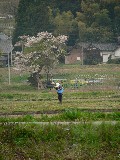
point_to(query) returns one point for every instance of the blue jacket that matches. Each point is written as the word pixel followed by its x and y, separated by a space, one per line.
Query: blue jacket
pixel 60 90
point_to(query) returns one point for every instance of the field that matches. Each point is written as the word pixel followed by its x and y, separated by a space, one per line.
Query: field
pixel 96 102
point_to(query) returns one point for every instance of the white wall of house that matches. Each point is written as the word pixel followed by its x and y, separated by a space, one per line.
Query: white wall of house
pixel 105 56
pixel 117 53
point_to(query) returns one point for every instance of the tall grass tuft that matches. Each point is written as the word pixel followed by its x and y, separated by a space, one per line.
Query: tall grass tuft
pixel 71 114
pixel 83 141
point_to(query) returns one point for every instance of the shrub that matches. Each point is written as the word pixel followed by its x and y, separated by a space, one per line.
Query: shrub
pixel 114 61
pixel 92 57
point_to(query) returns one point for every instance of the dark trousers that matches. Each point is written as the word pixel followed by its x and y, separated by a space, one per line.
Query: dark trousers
pixel 60 97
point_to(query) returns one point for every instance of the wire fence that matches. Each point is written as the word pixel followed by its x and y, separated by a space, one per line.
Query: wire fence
pixel 85 83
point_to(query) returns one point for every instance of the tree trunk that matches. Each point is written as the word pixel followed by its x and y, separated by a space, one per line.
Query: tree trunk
pixel 40 84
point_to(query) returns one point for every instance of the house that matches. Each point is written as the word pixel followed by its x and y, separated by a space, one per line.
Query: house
pixel 5 48
pixel 73 55
pixel 105 50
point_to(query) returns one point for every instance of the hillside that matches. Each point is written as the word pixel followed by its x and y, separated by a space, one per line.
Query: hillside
pixel 8 10
pixel 93 21
pixel 8 7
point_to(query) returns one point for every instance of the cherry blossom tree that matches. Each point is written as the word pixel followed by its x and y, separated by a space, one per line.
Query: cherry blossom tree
pixel 41 54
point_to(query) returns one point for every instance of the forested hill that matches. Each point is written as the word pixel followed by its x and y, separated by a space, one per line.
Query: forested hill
pixel 8 7
pixel 8 10
pixel 83 20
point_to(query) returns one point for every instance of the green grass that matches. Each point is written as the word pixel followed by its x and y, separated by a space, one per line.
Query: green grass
pixel 68 115
pixel 47 95
pixel 47 100
pixel 68 142
pixel 69 72
pixel 57 142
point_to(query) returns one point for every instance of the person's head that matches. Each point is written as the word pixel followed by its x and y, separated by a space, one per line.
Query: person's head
pixel 60 87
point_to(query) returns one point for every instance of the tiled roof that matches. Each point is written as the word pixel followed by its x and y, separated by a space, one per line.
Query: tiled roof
pixel 100 46
pixel 3 36
pixel 5 43
pixel 83 44
pixel 106 47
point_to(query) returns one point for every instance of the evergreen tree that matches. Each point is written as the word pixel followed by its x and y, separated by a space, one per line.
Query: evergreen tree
pixel 92 57
pixel 68 5
pixel 92 20
pixel 33 15
pixel 32 18
pixel 113 6
pixel 94 23
pixel 66 24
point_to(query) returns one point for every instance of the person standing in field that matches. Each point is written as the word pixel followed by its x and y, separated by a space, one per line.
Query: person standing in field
pixel 60 91
pixel 76 83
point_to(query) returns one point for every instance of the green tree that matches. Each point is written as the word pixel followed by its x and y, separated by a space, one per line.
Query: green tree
pixel 117 20
pixel 91 20
pixel 114 14
pixel 92 57
pixel 32 17
pixel 66 24
pixel 94 23
pixel 68 5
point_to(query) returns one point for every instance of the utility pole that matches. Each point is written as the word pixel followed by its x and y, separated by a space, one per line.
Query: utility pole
pixel 11 45
pixel 10 54
pixel 9 69
pixel 82 55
